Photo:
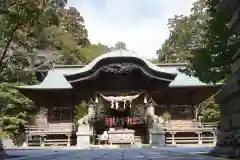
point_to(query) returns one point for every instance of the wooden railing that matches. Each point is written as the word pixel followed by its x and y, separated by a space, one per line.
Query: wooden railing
pixel 61 129
pixel 51 142
pixel 173 129
pixel 191 140
pixel 198 130
pixel 184 126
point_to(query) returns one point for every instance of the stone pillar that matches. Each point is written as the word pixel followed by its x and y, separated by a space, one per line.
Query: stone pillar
pixel 199 137
pixel 42 141
pixel 83 135
pixel 214 137
pixel 173 138
pixel 150 137
pixel 85 132
pixel 69 140
pixel 25 143
pixel 158 138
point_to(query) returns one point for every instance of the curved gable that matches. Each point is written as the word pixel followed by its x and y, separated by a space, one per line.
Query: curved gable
pixel 120 57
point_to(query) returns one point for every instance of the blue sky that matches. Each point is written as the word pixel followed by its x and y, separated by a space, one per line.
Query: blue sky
pixel 141 24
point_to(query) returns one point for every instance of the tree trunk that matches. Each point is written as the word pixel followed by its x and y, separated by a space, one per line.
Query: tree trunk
pixel 1 146
pixel 1 129
pixel 7 47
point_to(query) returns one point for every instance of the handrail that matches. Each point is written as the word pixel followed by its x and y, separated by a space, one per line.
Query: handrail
pixel 50 128
pixel 72 127
pixel 191 125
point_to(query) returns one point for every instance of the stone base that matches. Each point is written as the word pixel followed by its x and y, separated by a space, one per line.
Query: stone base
pixel 25 144
pixel 158 139
pixel 83 139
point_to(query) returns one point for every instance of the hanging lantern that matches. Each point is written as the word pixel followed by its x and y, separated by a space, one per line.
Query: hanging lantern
pixel 117 105
pixel 130 104
pixel 96 100
pixel 145 99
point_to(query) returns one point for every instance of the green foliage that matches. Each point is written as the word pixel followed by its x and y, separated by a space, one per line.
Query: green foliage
pixel 166 116
pixel 21 24
pixel 185 35
pixel 210 111
pixel 61 41
pixel 22 21
pixel 17 110
pixel 3 134
pixel 92 51
pixel 154 60
pixel 120 45
pixel 80 111
pixel 73 22
pixel 12 71
pixel 67 39
pixel 202 41
pixel 211 62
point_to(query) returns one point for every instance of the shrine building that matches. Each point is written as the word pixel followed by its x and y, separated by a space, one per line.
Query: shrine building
pixel 124 92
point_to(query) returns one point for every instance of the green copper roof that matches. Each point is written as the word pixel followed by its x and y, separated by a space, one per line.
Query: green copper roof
pixel 53 80
pixel 183 80
pixel 56 77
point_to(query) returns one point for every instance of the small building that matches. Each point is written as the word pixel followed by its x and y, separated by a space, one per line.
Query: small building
pixel 118 87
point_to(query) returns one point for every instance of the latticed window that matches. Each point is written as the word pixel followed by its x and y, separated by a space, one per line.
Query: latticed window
pixel 61 113
pixel 183 109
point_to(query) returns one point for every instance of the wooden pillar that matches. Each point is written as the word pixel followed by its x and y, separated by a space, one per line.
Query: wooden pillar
pixel 69 140
pixel 173 138
pixel 199 138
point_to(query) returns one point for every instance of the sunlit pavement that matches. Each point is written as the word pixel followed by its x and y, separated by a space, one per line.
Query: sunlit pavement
pixel 168 153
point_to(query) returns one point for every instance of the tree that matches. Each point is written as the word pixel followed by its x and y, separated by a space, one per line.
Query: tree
pixel 67 39
pixel 120 45
pixel 91 52
pixel 80 111
pixel 17 110
pixel 154 60
pixel 73 22
pixel 186 43
pixel 21 23
pixel 212 60
pixel 185 35
pixel 210 111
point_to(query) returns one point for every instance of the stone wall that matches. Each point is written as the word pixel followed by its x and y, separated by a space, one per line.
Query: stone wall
pixel 229 101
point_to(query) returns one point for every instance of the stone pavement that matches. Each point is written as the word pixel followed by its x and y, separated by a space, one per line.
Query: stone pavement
pixel 107 154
